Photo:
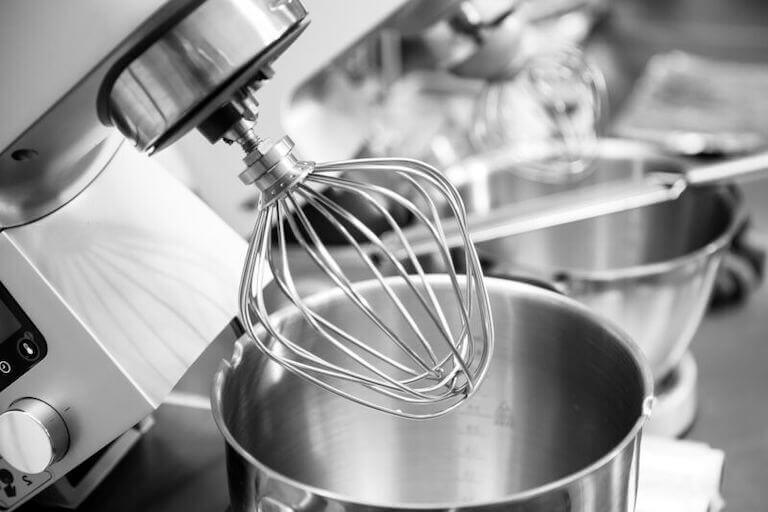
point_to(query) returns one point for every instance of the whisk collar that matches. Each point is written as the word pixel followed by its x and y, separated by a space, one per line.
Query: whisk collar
pixel 274 171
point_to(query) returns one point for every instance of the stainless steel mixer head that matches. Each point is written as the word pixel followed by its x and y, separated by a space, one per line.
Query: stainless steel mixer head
pixel 426 377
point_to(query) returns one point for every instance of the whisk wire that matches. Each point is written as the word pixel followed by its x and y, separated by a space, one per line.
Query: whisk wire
pixel 255 258
pixel 444 253
pixel 345 285
pixel 361 188
pixel 284 279
pixel 438 180
pixel 439 352
pixel 337 275
pixel 441 241
pixel 326 207
pixel 328 368
pixel 459 213
pixel 440 321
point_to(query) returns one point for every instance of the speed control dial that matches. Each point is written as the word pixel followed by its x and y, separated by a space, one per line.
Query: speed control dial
pixel 32 435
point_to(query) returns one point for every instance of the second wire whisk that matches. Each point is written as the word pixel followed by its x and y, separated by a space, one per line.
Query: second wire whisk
pixel 422 370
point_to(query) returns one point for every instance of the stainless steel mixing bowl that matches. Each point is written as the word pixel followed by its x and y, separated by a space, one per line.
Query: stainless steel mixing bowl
pixel 650 270
pixel 555 426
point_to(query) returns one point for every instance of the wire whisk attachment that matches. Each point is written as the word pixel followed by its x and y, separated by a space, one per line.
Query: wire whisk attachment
pixel 551 113
pixel 415 362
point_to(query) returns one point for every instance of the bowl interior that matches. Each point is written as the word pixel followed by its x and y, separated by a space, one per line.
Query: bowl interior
pixel 563 391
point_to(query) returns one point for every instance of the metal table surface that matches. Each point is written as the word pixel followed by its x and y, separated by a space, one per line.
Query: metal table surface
pixel 179 464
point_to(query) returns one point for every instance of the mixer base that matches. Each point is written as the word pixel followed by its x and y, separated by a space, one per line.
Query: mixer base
pixel 676 401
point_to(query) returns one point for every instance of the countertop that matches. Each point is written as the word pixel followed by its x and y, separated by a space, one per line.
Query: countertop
pixel 731 349
pixel 179 464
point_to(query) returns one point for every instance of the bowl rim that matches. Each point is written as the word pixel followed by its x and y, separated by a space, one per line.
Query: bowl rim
pixel 633 435
pixel 696 257
pixel 614 149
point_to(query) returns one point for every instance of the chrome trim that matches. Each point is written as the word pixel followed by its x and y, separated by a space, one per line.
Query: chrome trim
pixel 193 61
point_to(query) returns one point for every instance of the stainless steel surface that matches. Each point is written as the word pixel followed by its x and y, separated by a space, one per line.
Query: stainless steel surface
pixel 504 203
pixel 163 474
pixel 526 205
pixel 335 26
pixel 737 168
pixel 193 61
pixel 582 199
pixel 425 376
pixel 650 269
pixel 555 426
pixel 32 435
pixel 547 211
pixel 275 170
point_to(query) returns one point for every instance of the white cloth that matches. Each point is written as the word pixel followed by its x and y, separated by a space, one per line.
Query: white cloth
pixel 679 476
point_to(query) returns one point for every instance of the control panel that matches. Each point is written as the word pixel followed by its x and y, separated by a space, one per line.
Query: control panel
pixel 22 345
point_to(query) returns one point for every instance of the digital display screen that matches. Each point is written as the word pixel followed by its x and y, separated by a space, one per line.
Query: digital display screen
pixel 8 323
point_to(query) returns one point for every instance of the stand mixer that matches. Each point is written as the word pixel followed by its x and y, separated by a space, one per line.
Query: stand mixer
pixel 114 277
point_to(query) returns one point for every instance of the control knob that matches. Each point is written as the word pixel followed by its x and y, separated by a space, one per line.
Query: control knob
pixel 32 435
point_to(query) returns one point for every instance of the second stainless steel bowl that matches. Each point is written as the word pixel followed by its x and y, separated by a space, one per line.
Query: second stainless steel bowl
pixel 650 270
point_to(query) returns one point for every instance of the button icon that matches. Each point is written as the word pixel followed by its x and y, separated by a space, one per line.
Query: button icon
pixel 27 347
pixel 15 486
pixel 6 482
pixel 5 367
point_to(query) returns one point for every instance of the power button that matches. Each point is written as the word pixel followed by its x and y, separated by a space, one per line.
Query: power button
pixel 28 348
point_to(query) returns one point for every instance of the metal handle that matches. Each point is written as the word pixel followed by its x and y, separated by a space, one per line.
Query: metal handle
pixel 548 211
pixel 728 170
pixel 581 204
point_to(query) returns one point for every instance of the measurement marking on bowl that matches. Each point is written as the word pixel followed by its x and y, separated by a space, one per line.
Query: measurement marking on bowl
pixel 471 452
pixel 469 476
pixel 474 453
pixel 504 416
pixel 472 430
